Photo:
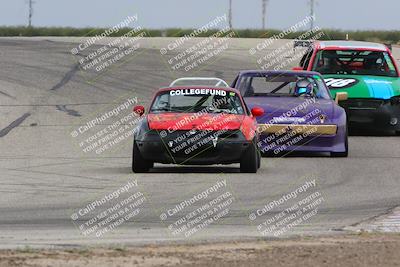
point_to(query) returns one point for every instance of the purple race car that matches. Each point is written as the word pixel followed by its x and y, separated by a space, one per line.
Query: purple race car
pixel 300 114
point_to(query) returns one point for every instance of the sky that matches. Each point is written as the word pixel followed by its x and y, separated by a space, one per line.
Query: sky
pixel 160 14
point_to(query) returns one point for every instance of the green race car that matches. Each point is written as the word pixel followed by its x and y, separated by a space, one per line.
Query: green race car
pixel 364 79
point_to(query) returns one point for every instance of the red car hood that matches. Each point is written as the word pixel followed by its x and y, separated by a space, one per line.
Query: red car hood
pixel 188 121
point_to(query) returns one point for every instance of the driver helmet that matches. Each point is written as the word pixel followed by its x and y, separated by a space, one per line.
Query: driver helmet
pixel 373 62
pixel 304 87
pixel 330 59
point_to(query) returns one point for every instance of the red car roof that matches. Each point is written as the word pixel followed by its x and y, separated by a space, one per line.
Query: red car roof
pixel 351 45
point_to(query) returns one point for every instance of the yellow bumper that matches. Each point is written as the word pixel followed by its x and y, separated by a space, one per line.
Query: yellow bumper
pixel 279 129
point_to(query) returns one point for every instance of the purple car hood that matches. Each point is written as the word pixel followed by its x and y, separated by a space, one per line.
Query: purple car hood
pixel 292 109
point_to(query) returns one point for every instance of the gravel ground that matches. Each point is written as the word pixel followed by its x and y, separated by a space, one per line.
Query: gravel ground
pixel 351 250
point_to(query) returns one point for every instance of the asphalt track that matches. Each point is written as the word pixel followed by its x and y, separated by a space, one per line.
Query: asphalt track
pixel 45 176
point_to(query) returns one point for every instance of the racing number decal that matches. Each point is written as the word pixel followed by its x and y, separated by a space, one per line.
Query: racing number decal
pixel 334 83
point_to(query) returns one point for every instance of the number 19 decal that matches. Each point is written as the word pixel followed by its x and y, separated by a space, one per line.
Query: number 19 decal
pixel 334 83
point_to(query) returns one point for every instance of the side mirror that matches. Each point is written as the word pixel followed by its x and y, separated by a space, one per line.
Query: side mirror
pixel 341 96
pixel 257 111
pixel 297 68
pixel 138 110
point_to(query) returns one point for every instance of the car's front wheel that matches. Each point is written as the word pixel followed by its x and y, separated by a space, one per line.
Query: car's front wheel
pixel 139 164
pixel 249 162
pixel 345 153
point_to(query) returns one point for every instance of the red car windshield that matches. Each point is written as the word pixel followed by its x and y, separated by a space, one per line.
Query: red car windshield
pixel 194 100
pixel 354 62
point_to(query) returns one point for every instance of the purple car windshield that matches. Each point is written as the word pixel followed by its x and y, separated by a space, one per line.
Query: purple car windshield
pixel 280 85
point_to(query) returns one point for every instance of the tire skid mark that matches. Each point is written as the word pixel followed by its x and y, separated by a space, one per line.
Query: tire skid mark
pixel 5 94
pixel 38 186
pixel 70 112
pixel 14 124
pixel 47 165
pixel 60 174
pixel 67 77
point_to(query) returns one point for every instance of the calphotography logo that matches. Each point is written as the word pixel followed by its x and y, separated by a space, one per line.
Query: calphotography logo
pixel 170 143
pixel 107 213
pixel 215 141
pixel 112 50
pixel 278 53
pixel 289 211
pixel 192 51
pixel 197 212
pixel 108 129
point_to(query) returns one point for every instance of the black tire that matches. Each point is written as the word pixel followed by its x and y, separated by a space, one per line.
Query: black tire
pixel 249 161
pixel 344 154
pixel 139 164
pixel 397 133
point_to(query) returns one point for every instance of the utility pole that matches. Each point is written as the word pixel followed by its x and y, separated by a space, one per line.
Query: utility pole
pixel 264 12
pixel 312 13
pixel 230 14
pixel 31 2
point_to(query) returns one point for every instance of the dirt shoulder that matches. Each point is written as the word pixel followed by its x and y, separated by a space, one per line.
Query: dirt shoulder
pixel 350 250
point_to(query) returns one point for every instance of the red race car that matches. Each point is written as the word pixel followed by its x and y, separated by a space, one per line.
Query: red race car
pixel 197 125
